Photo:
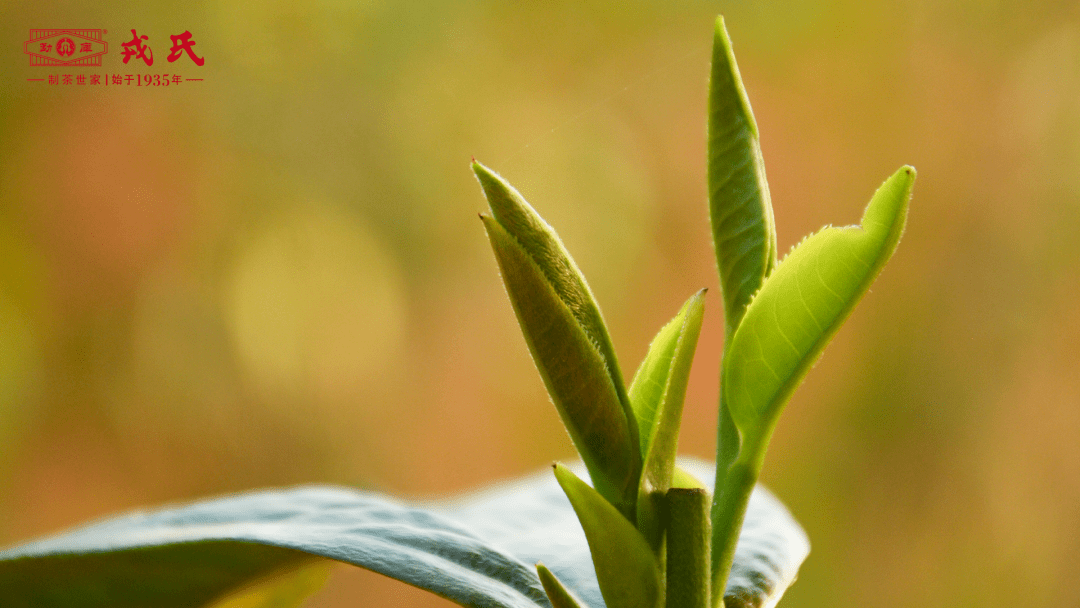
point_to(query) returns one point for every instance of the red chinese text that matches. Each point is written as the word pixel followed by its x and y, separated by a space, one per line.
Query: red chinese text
pixel 137 49
pixel 182 43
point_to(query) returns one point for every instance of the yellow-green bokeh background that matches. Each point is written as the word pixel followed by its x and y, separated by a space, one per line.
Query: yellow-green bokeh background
pixel 276 275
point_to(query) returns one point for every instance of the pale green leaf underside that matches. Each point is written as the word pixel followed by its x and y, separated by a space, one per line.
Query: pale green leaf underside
pixel 477 551
pixel 573 371
pixel 803 303
pixel 626 569
pixel 739 205
pixel 657 394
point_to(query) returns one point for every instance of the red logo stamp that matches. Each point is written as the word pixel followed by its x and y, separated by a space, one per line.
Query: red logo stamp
pixel 66 47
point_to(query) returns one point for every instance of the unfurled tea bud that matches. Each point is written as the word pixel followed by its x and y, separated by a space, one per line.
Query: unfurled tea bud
pixel 568 340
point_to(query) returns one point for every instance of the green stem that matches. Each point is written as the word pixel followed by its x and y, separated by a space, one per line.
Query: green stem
pixel 729 508
pixel 688 548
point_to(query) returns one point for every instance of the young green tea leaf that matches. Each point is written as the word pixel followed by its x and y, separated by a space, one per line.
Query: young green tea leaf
pixel 557 593
pixel 657 394
pixel 626 569
pixel 542 244
pixel 803 304
pixel 474 550
pixel 650 380
pixel 662 376
pixel 787 325
pixel 739 205
pixel 567 338
pixel 744 236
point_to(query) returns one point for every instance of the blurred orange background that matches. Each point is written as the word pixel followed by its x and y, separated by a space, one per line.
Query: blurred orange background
pixel 276 276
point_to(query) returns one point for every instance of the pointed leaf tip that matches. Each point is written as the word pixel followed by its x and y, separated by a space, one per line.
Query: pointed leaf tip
pixel 890 201
pixel 557 593
pixel 724 59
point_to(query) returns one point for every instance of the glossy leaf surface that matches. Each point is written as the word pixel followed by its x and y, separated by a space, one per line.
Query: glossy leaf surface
pixel 568 341
pixel 803 303
pixel 479 550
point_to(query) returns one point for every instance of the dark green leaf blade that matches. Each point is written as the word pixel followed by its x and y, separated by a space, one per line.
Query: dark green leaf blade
pixel 568 340
pixel 473 550
pixel 740 209
pixel 191 555
pixel 130 574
